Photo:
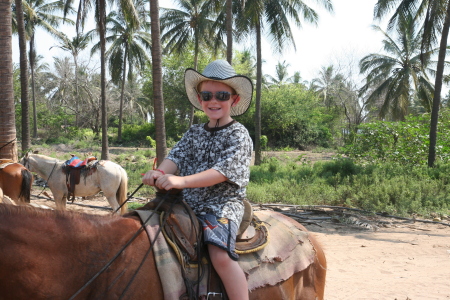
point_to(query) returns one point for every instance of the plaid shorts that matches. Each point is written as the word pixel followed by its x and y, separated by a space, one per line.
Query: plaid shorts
pixel 220 232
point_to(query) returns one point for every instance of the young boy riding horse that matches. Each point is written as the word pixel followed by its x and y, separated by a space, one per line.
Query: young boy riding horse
pixel 213 161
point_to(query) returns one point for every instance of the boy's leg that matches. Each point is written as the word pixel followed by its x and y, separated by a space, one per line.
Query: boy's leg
pixel 230 273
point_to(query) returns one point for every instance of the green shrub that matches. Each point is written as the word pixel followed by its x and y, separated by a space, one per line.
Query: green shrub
pixel 137 134
pixel 263 142
pixel 382 187
pixel 400 142
pixel 152 142
pixel 292 116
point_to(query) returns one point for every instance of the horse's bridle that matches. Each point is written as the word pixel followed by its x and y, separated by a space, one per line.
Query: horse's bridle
pixel 26 162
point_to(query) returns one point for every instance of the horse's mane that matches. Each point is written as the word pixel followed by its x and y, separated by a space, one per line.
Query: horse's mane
pixel 24 211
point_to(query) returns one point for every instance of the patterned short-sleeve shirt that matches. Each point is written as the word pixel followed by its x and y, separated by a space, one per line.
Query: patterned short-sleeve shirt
pixel 227 149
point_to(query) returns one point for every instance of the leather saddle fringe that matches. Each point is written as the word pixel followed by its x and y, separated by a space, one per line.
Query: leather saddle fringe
pixel 182 227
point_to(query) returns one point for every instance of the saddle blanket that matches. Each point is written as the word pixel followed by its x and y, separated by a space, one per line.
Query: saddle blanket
pixel 291 252
pixel 76 163
pixel 5 162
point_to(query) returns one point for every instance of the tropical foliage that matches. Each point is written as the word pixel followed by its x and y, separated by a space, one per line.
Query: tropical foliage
pixel 405 143
pixel 128 49
pixel 399 76
pixel 435 17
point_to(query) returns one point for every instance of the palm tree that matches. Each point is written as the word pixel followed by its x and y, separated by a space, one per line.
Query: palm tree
pixel 40 67
pixel 59 87
pixel 17 9
pixel 128 45
pixel 190 24
pixel 39 13
pixel 127 8
pixel 399 74
pixel 297 79
pixel 328 84
pixel 8 144
pixel 224 21
pixel 436 19
pixel 275 15
pixel 158 100
pixel 101 26
pixel 245 64
pixel 229 25
pixel 137 103
pixel 282 74
pixel 74 46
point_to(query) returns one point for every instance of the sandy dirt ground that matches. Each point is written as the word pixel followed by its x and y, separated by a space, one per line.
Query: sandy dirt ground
pixel 403 260
pixel 370 258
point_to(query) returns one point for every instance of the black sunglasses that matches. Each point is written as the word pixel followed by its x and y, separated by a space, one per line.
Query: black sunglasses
pixel 220 96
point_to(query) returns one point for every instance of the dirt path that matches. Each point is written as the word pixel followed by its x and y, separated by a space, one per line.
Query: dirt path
pixel 404 261
pixel 390 259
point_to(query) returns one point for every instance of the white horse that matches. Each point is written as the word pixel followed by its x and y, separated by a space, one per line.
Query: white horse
pixel 108 177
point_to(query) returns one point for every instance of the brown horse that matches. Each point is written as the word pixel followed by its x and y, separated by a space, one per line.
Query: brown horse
pixel 15 181
pixel 53 254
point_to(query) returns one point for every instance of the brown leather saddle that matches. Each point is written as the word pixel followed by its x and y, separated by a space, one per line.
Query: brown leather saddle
pixel 74 168
pixel 182 229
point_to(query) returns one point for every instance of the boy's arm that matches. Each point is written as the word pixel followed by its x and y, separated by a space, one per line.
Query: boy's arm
pixel 167 167
pixel 203 179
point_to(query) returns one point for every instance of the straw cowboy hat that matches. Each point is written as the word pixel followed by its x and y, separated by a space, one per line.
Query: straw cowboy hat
pixel 220 71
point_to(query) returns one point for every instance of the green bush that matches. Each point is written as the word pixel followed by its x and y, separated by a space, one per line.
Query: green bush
pixel 400 142
pixel 151 142
pixel 291 116
pixel 137 134
pixel 382 187
pixel 263 142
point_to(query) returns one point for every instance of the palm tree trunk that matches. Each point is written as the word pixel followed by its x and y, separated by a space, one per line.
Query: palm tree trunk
pixel 229 31
pixel 26 144
pixel 32 53
pixel 158 101
pixel 124 72
pixel 437 89
pixel 75 59
pixel 258 96
pixel 8 144
pixel 196 50
pixel 102 32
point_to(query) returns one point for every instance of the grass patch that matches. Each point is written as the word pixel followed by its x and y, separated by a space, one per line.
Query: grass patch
pixel 134 205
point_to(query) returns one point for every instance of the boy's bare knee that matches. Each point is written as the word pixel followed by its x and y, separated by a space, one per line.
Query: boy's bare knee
pixel 219 257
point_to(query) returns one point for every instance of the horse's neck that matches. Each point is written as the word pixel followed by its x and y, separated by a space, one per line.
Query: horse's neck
pixel 44 166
